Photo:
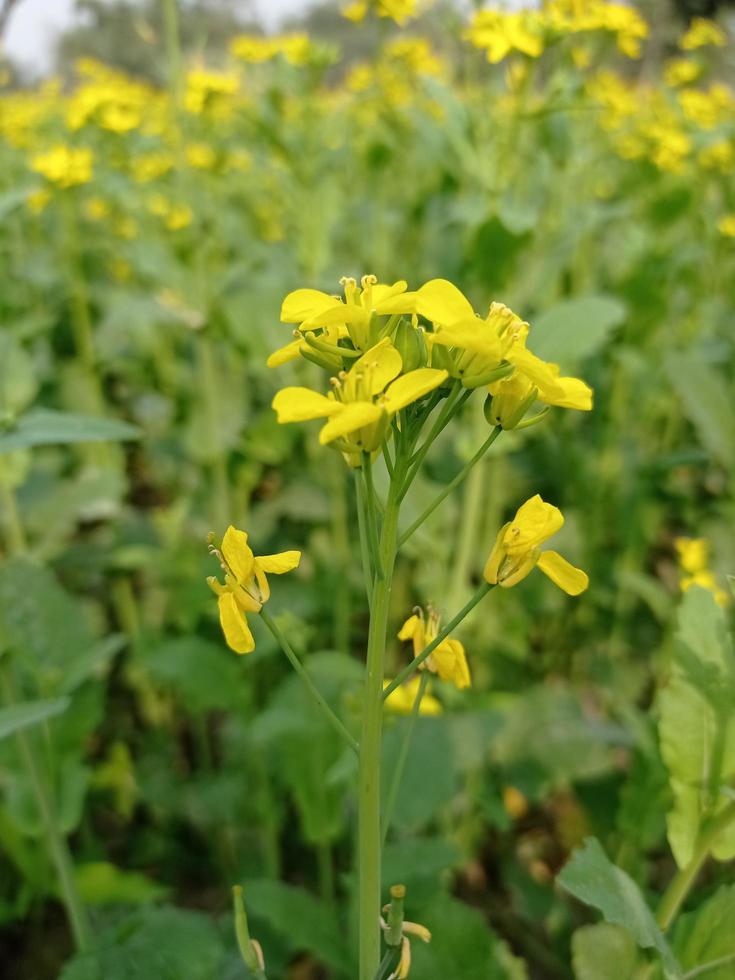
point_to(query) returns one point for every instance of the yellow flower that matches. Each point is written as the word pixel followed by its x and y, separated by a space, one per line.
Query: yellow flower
pixel 483 350
pixel 398 10
pixel 718 156
pixel 362 401
pixel 681 71
pixel 150 166
pixel 64 166
pixel 726 225
pixel 402 700
pixel 516 550
pixel 693 554
pixel 501 33
pixel 246 587
pixel 312 309
pixel 448 660
pixel 207 90
pixel 201 156
pixel 701 33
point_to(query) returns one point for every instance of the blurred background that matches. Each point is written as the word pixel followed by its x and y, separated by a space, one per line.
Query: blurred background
pixel 168 172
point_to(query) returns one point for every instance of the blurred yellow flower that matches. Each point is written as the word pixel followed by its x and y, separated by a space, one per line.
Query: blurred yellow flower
pixel 64 166
pixel 209 91
pixel 516 550
pixel 702 33
pixel 694 556
pixel 681 71
pixel 718 156
pixel 398 10
pixel 500 33
pixel 201 156
pixel 726 225
pixel 150 166
pixel 448 660
pixel 246 586
pixel 402 700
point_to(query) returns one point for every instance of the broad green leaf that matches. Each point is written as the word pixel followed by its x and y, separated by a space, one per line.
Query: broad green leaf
pixel 462 944
pixel 44 427
pixel 707 402
pixel 576 329
pixel 160 943
pixel 102 883
pixel 603 952
pixel 204 675
pixel 16 717
pixel 592 878
pixel 696 724
pixel 300 921
pixel 706 936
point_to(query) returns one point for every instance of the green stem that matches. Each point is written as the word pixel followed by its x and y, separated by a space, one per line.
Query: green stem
pixel 326 871
pixel 682 882
pixel 407 671
pixel 450 486
pixel 451 405
pixel 369 838
pixel 384 964
pixel 308 682
pixel 395 784
pixel 371 501
pixel 173 48
pixel 57 843
pixel 699 971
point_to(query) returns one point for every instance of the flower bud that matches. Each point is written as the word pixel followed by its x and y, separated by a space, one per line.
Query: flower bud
pixel 409 343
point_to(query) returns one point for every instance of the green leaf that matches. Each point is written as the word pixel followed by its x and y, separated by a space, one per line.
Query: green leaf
pixel 301 922
pixel 696 726
pixel 43 427
pixel 16 717
pixel 707 402
pixel 576 329
pixel 603 952
pixel 592 878
pixel 165 943
pixel 102 883
pixel 462 944
pixel 706 936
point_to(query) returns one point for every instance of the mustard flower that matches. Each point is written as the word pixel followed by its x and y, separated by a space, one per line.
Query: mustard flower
pixel 726 225
pixel 516 550
pixel 702 33
pixel 246 586
pixel 397 10
pixel 64 166
pixel 479 348
pixel 402 700
pixel 362 401
pixel 694 566
pixel 448 660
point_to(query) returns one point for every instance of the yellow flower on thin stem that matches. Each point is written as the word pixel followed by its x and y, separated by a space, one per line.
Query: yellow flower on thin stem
pixel 246 586
pixel 448 660
pixel 362 401
pixel 516 551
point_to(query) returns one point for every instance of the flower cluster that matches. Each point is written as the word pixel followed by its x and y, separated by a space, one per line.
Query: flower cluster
pixel 389 348
pixel 500 33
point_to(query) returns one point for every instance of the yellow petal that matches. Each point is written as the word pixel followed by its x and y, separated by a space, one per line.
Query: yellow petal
pixel 441 302
pixel 534 523
pixel 541 373
pixel 285 354
pixel 408 629
pixel 572 580
pixel 303 304
pixel 411 387
pixel 496 557
pixel 576 394
pixel 471 335
pixel 237 553
pixel 234 625
pixel 381 364
pixel 351 417
pixel 286 561
pixel 298 404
